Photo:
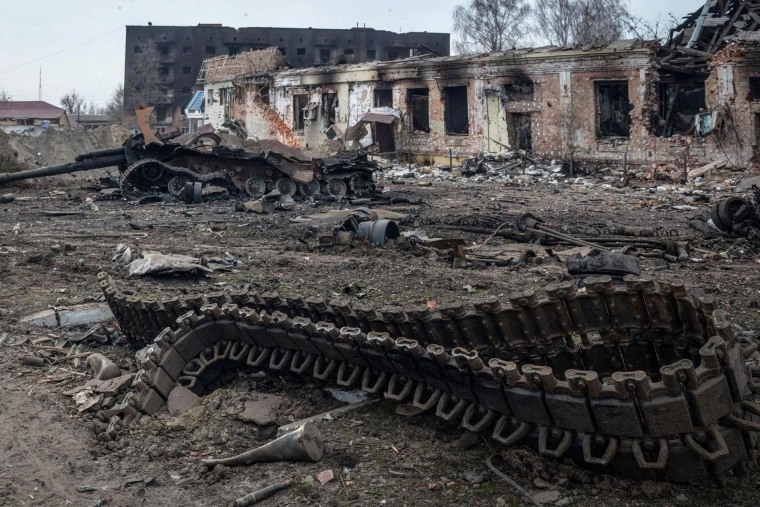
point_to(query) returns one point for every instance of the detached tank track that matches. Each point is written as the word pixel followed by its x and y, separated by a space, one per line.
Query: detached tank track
pixel 641 380
pixel 134 186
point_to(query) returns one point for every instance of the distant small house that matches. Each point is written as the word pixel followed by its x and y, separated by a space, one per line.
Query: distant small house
pixel 91 121
pixel 194 111
pixel 20 116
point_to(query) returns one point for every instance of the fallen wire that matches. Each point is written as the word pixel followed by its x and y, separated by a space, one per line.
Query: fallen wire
pixel 525 494
pixel 489 238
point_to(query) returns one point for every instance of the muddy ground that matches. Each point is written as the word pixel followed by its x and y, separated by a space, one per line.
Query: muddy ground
pixel 48 451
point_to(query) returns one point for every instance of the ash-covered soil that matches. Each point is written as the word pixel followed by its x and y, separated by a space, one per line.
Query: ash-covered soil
pixel 49 453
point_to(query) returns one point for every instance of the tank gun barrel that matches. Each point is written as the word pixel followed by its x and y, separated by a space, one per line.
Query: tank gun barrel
pixel 95 160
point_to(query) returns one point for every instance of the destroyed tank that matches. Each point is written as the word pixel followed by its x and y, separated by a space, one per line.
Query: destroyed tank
pixel 152 165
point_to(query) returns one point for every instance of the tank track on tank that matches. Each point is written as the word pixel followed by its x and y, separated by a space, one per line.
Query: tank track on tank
pixel 134 185
pixel 641 380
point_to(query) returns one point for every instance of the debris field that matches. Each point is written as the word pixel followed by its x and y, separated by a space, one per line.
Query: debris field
pixel 449 237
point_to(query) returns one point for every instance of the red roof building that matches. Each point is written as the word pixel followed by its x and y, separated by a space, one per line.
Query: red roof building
pixel 31 113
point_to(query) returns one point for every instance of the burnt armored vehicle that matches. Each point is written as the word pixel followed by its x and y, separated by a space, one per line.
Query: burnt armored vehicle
pixel 151 165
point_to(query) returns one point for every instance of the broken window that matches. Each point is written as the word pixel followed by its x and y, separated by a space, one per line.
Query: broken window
pixel 301 51
pixel 419 109
pixel 348 51
pixel 284 51
pixel 187 49
pixel 299 102
pixel 324 56
pixel 679 104
pixel 210 50
pixel 138 50
pixel 456 112
pixel 160 113
pixel 329 108
pixel 613 109
pixel 164 51
pixel 754 88
pixel 371 55
pixel 519 131
pixel 384 98
pixel 187 69
pixel 210 96
pixel 393 54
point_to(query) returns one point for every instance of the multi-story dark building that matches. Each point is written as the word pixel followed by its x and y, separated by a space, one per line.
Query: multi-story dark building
pixel 182 50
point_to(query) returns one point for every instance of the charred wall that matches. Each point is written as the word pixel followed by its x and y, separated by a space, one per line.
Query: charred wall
pixel 594 106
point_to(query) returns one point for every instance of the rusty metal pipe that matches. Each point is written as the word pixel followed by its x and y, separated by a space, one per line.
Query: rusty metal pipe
pixel 257 496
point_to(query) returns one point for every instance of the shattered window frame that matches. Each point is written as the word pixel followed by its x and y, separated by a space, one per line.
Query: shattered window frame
pixel 616 124
pixel 324 56
pixel 210 50
pixel 371 55
pixel 680 102
pixel 329 106
pixel 383 97
pixel 456 114
pixel 300 100
pixel 754 88
pixel 419 109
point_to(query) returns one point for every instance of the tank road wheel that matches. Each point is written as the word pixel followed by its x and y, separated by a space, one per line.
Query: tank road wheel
pixel 255 187
pixel 152 172
pixel 309 188
pixel 337 188
pixel 193 192
pixel 286 186
pixel 176 186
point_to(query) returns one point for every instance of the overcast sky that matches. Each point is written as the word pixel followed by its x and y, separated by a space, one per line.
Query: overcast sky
pixel 80 43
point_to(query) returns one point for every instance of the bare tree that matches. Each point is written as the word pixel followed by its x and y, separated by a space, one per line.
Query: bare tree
pixel 115 105
pixel 5 96
pixel 145 86
pixel 658 29
pixel 554 21
pixel 73 103
pixel 569 22
pixel 601 21
pixel 490 25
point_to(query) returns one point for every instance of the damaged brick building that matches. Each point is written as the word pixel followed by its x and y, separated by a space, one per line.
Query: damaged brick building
pixel 182 49
pixel 695 99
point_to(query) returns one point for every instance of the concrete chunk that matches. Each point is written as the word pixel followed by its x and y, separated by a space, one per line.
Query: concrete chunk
pixel 181 399
pixel 83 315
pixel 45 318
pixel 261 409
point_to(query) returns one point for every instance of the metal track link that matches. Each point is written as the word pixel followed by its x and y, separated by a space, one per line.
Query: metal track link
pixel 134 186
pixel 641 380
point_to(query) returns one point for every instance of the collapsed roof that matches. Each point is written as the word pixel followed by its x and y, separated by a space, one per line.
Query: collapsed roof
pixel 694 42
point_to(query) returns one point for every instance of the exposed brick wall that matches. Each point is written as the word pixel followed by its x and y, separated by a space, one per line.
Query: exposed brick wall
pixel 563 108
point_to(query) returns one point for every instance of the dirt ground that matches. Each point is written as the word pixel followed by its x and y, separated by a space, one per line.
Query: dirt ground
pixel 49 454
